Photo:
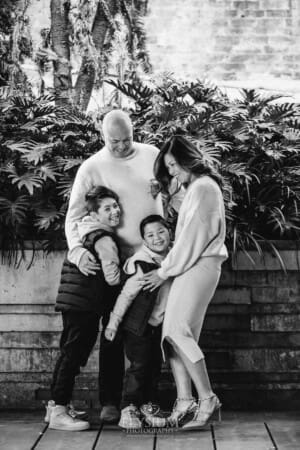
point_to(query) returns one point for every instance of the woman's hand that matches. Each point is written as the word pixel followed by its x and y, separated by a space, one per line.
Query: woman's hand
pixel 152 281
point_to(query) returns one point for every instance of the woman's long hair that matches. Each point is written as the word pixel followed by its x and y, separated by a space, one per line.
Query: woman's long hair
pixel 188 157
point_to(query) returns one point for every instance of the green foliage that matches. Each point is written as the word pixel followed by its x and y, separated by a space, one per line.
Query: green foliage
pixel 41 147
pixel 254 142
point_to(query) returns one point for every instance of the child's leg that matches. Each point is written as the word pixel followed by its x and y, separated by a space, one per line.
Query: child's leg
pixel 80 330
pixel 155 362
pixel 137 349
pixel 111 367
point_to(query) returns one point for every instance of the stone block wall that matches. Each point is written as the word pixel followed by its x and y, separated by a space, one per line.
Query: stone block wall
pixel 226 40
pixel 251 335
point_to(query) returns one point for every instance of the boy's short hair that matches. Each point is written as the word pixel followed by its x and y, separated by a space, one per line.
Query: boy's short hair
pixel 151 219
pixel 96 194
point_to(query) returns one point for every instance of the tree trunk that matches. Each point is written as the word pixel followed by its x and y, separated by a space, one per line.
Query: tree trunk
pixel 87 73
pixel 60 45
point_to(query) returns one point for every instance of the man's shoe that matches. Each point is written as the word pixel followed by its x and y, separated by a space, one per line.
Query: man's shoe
pixel 152 415
pixel 130 418
pixel 60 420
pixel 82 415
pixel 109 414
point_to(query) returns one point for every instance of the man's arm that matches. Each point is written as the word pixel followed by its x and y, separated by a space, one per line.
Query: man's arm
pixel 78 255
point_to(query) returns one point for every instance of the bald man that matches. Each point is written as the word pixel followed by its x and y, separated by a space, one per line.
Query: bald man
pixel 126 167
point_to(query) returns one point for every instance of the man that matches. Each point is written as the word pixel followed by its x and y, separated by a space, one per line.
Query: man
pixel 126 167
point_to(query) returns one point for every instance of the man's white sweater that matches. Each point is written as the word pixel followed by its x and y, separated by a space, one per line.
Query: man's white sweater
pixel 130 178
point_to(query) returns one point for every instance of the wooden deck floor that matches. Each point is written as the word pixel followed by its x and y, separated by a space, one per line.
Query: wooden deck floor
pixel 237 431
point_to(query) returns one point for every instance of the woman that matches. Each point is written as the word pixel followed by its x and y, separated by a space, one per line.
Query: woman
pixel 195 264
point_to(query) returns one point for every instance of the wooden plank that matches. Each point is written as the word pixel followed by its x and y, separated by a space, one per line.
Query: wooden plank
pixel 19 435
pixel 268 262
pixel 245 339
pixel 39 339
pixel 38 360
pixel 227 322
pixel 191 440
pixel 112 437
pixel 62 440
pixel 265 360
pixel 275 322
pixel 31 322
pixel 232 295
pixel 242 431
pixel 285 429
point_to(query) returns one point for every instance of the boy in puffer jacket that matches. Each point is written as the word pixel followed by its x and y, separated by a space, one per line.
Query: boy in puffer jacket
pixel 82 299
pixel 141 313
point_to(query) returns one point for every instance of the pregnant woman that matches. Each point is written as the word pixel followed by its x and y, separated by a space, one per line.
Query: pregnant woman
pixel 194 263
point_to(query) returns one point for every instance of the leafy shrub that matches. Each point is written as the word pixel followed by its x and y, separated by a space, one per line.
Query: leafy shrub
pixel 253 141
pixel 41 148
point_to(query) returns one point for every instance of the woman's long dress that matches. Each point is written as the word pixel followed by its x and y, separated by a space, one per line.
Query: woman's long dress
pixel 195 263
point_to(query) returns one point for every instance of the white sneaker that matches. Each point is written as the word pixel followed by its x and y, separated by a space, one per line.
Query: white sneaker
pixel 82 415
pixel 49 407
pixel 130 418
pixel 60 420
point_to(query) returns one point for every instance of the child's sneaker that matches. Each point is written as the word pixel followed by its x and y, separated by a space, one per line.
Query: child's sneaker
pixel 130 418
pixel 49 407
pixel 60 420
pixel 82 415
pixel 153 416
pixel 75 414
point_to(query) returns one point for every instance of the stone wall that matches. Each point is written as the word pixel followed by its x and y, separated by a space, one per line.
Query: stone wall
pixel 234 43
pixel 251 335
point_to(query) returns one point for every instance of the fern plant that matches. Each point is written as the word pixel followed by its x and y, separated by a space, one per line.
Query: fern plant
pixel 41 148
pixel 254 142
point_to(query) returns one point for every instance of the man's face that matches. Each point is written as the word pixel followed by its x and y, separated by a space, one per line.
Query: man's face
pixel 118 140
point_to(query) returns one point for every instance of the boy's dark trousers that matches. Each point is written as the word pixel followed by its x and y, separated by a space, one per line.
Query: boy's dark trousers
pixel 142 376
pixel 79 335
pixel 111 365
pixel 80 331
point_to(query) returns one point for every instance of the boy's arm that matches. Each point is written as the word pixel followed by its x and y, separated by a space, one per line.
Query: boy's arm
pixel 130 290
pixel 108 254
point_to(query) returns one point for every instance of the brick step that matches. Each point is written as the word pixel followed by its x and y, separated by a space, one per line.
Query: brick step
pixel 209 339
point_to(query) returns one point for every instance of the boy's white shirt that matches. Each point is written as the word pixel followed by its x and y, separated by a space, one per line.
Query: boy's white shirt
pixel 105 247
pixel 134 285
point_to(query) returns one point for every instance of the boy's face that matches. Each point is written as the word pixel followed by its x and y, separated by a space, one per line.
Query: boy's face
pixel 108 213
pixel 156 237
